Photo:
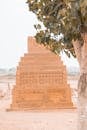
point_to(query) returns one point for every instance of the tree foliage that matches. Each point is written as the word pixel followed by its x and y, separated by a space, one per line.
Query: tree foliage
pixel 64 18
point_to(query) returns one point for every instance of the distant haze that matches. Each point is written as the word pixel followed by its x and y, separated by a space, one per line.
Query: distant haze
pixel 16 24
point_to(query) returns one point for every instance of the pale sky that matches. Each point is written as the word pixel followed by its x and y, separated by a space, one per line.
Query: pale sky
pixel 16 24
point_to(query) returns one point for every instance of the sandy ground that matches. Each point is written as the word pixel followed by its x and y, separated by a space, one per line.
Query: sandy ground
pixel 35 120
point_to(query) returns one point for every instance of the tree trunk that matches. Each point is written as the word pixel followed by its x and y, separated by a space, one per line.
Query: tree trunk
pixel 82 102
pixel 82 88
pixel 81 54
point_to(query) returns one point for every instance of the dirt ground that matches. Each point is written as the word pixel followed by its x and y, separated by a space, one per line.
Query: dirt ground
pixel 62 119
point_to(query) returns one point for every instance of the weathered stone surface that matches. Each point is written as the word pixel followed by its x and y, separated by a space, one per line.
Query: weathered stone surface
pixel 41 81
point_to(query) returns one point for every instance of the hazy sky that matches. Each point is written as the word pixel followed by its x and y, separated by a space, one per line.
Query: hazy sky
pixel 16 24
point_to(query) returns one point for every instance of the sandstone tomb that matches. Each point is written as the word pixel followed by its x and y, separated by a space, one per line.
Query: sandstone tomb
pixel 41 81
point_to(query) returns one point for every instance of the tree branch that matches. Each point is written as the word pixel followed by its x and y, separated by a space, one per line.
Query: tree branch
pixel 77 47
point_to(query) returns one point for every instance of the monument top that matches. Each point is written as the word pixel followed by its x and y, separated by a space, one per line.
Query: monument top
pixel 33 47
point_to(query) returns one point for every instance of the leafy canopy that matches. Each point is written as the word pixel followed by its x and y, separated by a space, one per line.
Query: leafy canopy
pixel 64 18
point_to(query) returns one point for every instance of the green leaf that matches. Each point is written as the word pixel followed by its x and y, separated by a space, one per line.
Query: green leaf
pixel 66 17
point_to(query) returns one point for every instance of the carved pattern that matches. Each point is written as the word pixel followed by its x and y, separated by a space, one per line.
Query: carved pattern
pixel 41 81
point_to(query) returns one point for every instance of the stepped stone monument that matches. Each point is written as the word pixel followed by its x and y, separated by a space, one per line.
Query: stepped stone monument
pixel 41 81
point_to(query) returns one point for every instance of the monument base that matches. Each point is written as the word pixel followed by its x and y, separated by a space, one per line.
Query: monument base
pixel 50 99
